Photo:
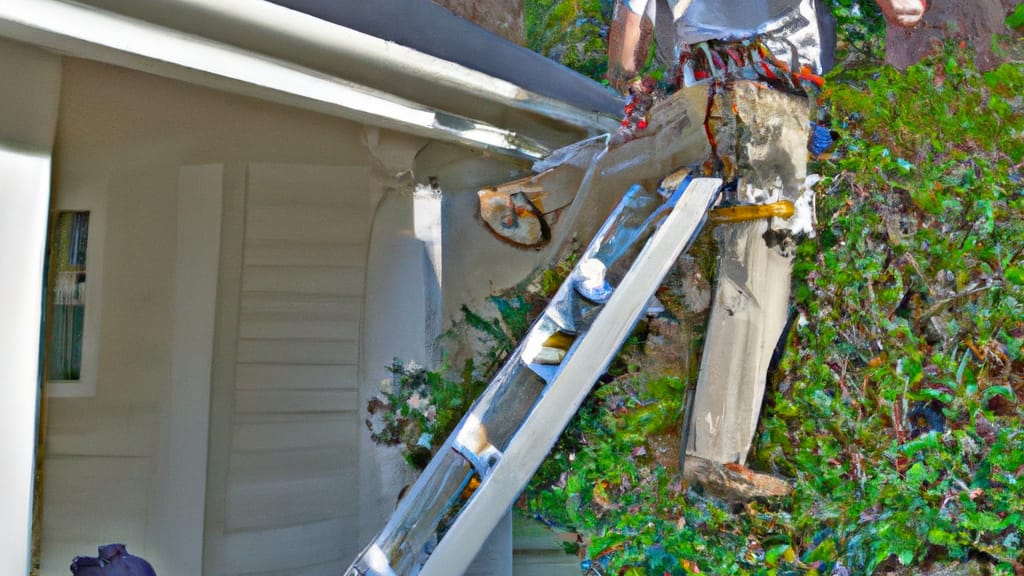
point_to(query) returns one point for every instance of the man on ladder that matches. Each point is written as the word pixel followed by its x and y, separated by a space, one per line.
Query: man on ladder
pixel 757 60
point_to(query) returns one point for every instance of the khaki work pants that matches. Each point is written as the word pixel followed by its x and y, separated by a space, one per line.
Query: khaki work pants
pixel 761 134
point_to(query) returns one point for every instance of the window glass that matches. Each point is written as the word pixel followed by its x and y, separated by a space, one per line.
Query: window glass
pixel 67 324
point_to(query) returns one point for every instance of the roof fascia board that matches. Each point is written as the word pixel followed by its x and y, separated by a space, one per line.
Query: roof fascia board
pixel 433 30
pixel 90 33
pixel 414 63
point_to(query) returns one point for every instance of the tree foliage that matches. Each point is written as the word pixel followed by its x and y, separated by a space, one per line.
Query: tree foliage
pixel 899 413
pixel 571 32
pixel 899 409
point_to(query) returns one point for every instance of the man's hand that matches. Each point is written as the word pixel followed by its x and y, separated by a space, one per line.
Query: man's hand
pixel 905 13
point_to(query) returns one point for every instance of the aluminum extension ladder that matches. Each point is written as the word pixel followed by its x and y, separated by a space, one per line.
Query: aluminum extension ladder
pixel 473 479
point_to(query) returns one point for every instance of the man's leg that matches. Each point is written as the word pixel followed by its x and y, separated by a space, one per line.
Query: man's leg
pixel 747 316
pixel 767 145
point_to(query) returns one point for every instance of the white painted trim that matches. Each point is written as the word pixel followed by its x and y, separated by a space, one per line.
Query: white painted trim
pixel 107 36
pixel 428 226
pixel 24 203
pixel 184 448
pixel 400 60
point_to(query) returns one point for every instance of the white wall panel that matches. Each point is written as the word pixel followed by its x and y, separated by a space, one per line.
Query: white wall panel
pixel 261 433
pixel 298 329
pixel 292 502
pixel 270 252
pixel 295 376
pixel 93 429
pixel 310 185
pixel 90 517
pixel 123 138
pixel 308 307
pixel 312 352
pixel 291 464
pixel 306 223
pixel 178 520
pixel 328 569
pixel 268 505
pixel 299 280
pixel 262 551
pixel 294 401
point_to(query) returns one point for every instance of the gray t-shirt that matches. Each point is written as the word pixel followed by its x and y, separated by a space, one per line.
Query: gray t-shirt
pixel 784 26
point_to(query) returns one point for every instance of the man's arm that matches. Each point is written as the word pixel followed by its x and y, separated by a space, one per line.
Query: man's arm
pixel 905 13
pixel 629 35
pixel 624 57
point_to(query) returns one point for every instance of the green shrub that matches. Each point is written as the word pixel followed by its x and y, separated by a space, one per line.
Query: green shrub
pixel 899 413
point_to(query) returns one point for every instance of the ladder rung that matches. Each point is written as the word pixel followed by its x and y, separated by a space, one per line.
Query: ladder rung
pixel 588 281
pixel 482 463
pixel 546 371
pixel 373 562
pixel 471 443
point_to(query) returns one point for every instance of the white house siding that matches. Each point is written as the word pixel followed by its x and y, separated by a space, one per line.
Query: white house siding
pixel 293 486
pixel 292 489
pixel 282 485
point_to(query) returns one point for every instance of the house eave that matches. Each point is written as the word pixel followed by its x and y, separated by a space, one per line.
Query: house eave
pixel 508 70
pixel 304 74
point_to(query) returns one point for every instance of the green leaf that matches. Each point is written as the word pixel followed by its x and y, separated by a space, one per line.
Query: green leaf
pixel 1015 274
pixel 984 521
pixel 911 369
pixel 941 537
pixel 1004 391
pixel 825 552
pixel 906 557
pixel 933 394
pixel 1016 20
pixel 919 474
pixel 514 313
pixel 880 556
pixel 771 557
pixel 929 441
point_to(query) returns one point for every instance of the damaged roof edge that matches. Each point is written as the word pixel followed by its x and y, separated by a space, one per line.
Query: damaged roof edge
pixel 432 29
pixel 88 32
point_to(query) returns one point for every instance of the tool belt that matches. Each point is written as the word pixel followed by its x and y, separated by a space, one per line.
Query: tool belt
pixel 750 59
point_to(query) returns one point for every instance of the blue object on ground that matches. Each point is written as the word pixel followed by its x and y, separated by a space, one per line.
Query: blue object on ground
pixel 821 138
pixel 113 560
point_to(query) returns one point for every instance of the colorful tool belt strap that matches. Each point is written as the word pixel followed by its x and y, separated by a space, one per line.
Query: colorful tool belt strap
pixel 745 59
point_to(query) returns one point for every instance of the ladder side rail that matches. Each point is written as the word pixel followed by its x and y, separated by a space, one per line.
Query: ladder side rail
pixel 563 396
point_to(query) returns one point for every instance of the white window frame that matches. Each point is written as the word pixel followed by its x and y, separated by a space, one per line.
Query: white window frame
pixel 85 386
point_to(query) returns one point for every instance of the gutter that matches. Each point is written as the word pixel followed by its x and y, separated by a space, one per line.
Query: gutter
pixel 91 33
pixel 418 40
pixel 431 30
